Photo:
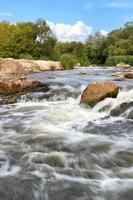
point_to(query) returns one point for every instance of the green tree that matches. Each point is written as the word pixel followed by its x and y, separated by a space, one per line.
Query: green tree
pixel 96 48
pixel 45 40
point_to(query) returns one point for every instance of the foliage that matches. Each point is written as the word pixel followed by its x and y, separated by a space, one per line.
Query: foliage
pixel 26 40
pixel 114 60
pixel 68 61
pixel 37 41
pixel 96 48
pixel 77 49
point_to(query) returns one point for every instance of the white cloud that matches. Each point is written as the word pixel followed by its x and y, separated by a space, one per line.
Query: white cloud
pixel 104 33
pixel 76 32
pixel 6 14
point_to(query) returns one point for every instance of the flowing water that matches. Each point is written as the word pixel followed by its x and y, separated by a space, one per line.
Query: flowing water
pixel 52 148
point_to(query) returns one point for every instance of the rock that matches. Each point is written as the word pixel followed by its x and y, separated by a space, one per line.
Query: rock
pixel 123 75
pixel 129 75
pixel 10 69
pixel 98 91
pixel 21 86
pixel 10 99
pixel 78 64
pixel 48 65
pixel 130 114
pixel 122 64
pixel 123 107
pixel 119 75
pixel 82 73
pixel 13 80
pixel 30 66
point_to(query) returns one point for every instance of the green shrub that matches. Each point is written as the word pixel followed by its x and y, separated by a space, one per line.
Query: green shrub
pixel 25 56
pixel 68 61
pixel 114 60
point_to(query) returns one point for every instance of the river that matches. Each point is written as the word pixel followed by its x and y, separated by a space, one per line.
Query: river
pixel 53 148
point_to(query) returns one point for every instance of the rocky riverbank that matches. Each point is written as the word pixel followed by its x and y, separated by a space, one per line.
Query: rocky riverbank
pixel 31 66
pixel 14 81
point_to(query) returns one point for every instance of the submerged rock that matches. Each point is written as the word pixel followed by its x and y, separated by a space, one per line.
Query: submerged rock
pixel 121 108
pixel 130 114
pixel 98 91
pixel 120 76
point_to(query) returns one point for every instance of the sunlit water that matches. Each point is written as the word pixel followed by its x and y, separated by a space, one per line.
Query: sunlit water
pixel 53 148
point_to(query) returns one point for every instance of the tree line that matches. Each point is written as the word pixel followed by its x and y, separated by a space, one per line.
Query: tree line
pixel 36 40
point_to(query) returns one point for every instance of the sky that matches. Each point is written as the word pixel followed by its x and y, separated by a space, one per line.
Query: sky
pixel 70 19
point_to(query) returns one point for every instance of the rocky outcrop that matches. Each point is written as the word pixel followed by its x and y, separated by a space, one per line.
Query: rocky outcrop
pixel 31 66
pixel 21 86
pixel 122 64
pixel 98 91
pixel 10 69
pixel 13 81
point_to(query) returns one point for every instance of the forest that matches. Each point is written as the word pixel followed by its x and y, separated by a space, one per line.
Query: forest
pixel 35 40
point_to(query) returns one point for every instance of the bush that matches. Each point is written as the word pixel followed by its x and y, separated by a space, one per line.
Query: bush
pixel 68 61
pixel 114 60
pixel 25 56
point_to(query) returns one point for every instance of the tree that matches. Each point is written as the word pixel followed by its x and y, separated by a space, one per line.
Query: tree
pixel 45 40
pixel 96 48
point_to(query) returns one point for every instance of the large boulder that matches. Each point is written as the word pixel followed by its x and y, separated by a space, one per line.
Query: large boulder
pixel 48 65
pixel 13 80
pixel 21 86
pixel 98 91
pixel 10 69
pixel 29 66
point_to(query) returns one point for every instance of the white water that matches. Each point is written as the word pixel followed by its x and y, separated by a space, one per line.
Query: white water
pixel 64 144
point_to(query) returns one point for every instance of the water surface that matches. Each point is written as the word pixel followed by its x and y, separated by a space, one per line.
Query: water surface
pixel 52 148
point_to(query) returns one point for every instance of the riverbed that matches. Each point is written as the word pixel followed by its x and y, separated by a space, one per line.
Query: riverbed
pixel 53 148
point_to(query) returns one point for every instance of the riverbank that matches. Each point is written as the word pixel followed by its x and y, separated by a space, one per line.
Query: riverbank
pixel 14 81
pixel 30 66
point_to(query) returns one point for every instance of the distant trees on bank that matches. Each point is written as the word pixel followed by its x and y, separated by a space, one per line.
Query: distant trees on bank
pixel 37 41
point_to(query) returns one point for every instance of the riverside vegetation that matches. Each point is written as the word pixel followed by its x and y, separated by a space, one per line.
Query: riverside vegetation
pixel 36 40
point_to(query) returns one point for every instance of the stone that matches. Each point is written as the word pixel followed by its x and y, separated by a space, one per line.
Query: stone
pixel 119 75
pixel 29 66
pixel 129 75
pixel 120 109
pixel 122 64
pixel 11 69
pixel 130 114
pixel 13 80
pixel 98 91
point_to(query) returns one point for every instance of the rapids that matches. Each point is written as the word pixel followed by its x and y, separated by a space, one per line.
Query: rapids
pixel 52 148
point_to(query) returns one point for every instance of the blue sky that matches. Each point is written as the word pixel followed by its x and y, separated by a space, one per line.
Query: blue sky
pixel 70 15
